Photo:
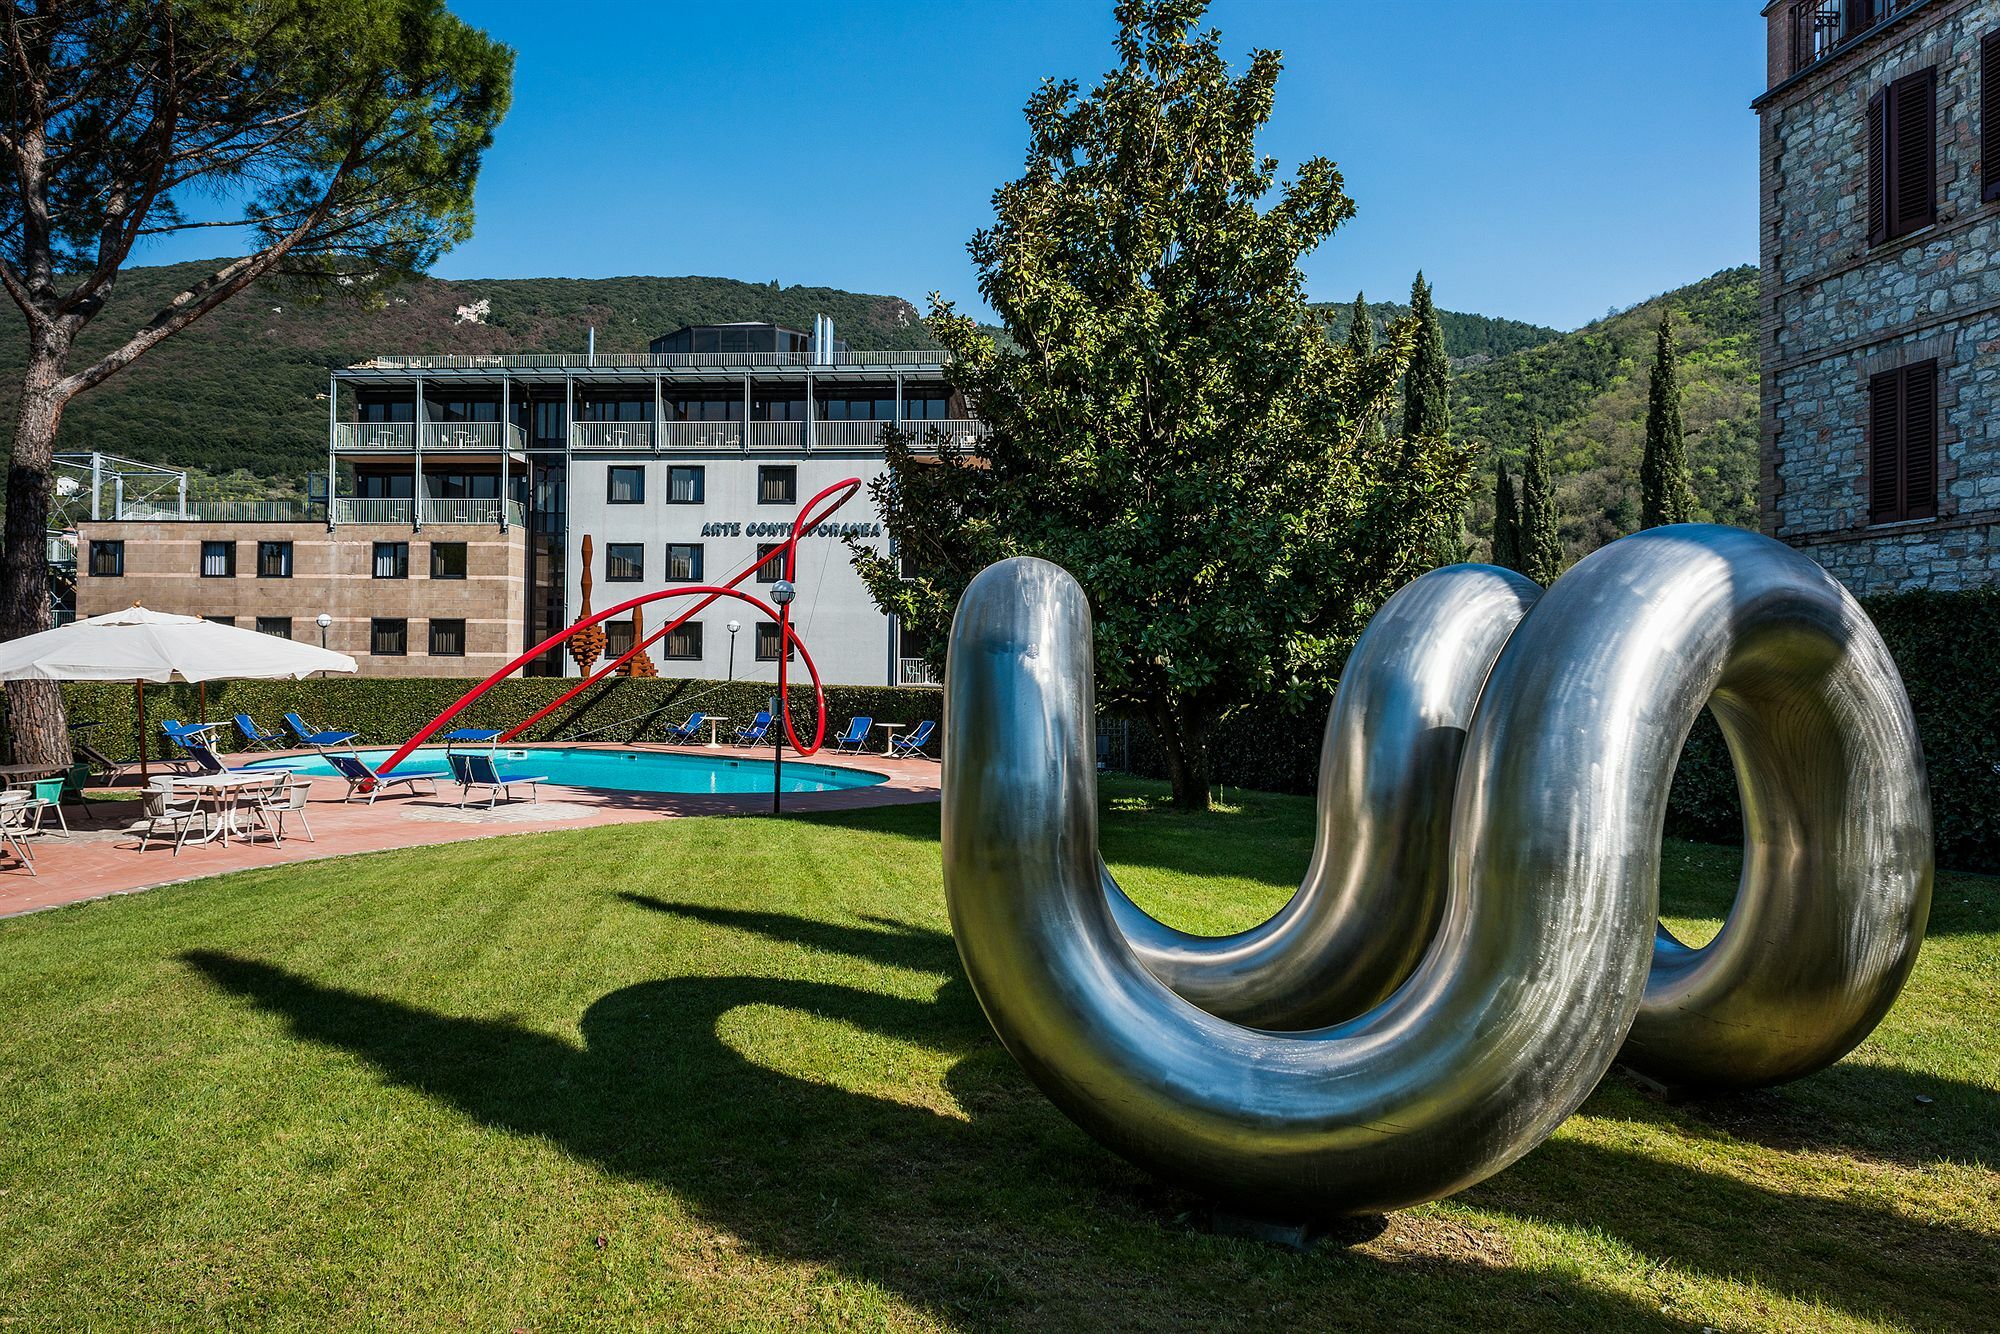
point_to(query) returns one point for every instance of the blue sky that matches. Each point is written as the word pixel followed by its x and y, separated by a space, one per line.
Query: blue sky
pixel 1540 159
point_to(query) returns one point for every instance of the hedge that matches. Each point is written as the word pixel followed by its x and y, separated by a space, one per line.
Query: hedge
pixel 1947 646
pixel 386 710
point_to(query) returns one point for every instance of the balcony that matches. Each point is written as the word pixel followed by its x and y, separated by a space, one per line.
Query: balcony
pixel 777 435
pixel 440 437
pixel 641 437
pixel 701 435
pixel 397 511
pixel 915 672
pixel 577 361
pixel 1821 27
pixel 611 435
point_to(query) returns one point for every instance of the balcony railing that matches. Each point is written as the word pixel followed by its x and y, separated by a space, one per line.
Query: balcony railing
pixel 470 510
pixel 611 435
pixel 397 510
pixel 777 435
pixel 701 435
pixel 251 511
pixel 444 437
pixel 648 360
pixel 1821 27
pixel 914 672
pixel 365 509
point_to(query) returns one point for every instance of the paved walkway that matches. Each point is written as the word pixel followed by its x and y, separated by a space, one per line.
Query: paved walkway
pixel 102 856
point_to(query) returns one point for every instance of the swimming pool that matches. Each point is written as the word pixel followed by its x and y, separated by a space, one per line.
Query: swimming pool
pixel 621 770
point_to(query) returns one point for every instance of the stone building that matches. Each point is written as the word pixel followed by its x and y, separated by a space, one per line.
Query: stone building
pixel 1880 331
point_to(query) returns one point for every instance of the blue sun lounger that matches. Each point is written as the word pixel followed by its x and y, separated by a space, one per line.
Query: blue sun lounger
pixel 316 739
pixel 255 737
pixel 911 744
pixel 475 770
pixel 751 735
pixel 854 737
pixel 688 731
pixel 362 778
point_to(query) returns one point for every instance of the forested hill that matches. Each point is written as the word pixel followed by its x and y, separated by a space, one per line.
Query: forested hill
pixel 1587 389
pixel 243 388
pixel 240 389
pixel 1469 340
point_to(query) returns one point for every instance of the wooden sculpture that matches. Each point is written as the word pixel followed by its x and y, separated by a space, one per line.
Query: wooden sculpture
pixel 585 646
pixel 640 664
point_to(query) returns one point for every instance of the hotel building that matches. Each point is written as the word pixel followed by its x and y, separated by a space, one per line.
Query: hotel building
pixel 465 486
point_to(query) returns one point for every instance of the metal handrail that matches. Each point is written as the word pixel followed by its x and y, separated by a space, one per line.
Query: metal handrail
pixel 611 435
pixel 372 509
pixel 478 436
pixel 647 360
pixel 777 435
pixel 701 435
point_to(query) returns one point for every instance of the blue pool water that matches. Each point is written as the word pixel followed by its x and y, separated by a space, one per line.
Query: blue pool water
pixel 622 770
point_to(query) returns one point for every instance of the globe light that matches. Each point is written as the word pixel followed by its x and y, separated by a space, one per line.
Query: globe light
pixel 323 620
pixel 783 592
pixel 734 626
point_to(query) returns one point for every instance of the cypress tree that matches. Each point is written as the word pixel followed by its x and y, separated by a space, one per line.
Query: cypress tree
pixel 1666 494
pixel 1506 520
pixel 1427 384
pixel 1361 342
pixel 1540 546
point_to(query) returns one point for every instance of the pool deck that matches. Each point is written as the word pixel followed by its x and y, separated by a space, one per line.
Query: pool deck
pixel 101 857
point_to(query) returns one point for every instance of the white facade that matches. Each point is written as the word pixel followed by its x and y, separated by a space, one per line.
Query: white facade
pixel 851 641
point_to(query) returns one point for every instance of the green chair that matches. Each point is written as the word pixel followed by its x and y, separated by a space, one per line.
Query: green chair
pixel 74 784
pixel 48 797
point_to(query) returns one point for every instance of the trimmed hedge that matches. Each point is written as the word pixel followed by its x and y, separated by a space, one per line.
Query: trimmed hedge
pixel 387 710
pixel 1947 646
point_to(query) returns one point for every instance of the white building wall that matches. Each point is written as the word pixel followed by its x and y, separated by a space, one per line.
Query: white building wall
pixel 850 640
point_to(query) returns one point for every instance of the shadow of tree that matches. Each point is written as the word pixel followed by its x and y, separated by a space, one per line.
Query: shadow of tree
pixel 1012 1214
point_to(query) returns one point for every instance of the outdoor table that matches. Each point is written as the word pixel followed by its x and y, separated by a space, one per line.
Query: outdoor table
pixel 715 720
pixel 28 773
pixel 225 790
pixel 889 741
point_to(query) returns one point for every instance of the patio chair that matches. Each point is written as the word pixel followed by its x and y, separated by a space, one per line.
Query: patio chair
pixel 688 731
pixel 47 797
pixel 911 745
pixel 178 735
pixel 362 778
pixel 286 800
pixel 472 770
pixel 163 808
pixel 854 737
pixel 312 736
pixel 17 826
pixel 74 784
pixel 754 733
pixel 255 737
pixel 203 756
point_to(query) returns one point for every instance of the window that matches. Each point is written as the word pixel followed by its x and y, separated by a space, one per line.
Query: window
pixel 770 562
pixel 281 626
pixel 447 560
pixel 625 484
pixel 218 560
pixel 274 560
pixel 392 560
pixel 684 643
pixel 624 562
pixel 767 642
pixel 107 560
pixel 1989 116
pixel 1902 443
pixel 777 484
pixel 684 562
pixel 1902 157
pixel 389 638
pixel 447 638
pixel 220 620
pixel 617 640
pixel 685 486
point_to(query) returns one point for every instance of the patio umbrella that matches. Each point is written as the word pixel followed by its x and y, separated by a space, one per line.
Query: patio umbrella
pixel 138 645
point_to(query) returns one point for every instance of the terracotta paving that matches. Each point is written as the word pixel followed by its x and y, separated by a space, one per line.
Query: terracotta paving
pixel 102 855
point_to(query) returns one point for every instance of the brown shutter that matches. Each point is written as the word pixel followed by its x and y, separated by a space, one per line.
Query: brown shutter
pixel 1884 447
pixel 1860 16
pixel 1878 167
pixel 1919 440
pixel 1989 114
pixel 1913 114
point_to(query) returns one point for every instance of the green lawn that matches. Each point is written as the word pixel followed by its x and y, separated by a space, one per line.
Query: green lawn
pixel 726 1072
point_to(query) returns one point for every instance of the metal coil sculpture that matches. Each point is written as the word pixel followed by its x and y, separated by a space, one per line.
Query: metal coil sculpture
pixel 1477 935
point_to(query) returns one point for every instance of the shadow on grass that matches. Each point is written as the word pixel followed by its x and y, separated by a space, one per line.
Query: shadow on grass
pixel 1012 1213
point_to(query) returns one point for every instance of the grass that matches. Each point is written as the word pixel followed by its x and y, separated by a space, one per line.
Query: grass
pixel 726 1073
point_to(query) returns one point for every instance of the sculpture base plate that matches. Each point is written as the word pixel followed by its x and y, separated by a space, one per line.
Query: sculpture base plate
pixel 1297 1236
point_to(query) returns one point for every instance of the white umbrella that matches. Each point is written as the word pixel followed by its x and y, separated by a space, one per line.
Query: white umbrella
pixel 137 645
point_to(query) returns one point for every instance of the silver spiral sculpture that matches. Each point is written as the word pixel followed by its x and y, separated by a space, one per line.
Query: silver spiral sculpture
pixel 1477 935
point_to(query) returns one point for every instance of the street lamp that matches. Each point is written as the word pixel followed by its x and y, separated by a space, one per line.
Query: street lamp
pixel 733 627
pixel 782 594
pixel 323 621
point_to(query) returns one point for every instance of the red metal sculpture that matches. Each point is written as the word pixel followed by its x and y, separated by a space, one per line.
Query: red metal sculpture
pixel 808 519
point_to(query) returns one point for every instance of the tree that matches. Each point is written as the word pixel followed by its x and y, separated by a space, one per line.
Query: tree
pixel 1427 410
pixel 1506 519
pixel 1169 421
pixel 1666 493
pixel 1361 342
pixel 1539 543
pixel 341 136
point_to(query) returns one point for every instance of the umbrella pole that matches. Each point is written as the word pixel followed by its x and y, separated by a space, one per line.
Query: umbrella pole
pixel 139 725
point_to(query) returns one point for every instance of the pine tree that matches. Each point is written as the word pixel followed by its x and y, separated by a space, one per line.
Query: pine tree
pixel 1666 494
pixel 1540 547
pixel 1506 520
pixel 1361 342
pixel 1427 384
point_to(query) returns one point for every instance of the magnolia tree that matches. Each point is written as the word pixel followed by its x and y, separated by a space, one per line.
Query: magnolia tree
pixel 1170 422
pixel 334 140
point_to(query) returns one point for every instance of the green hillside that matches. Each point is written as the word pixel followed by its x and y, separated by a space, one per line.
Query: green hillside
pixel 1469 340
pixel 244 387
pixel 1588 391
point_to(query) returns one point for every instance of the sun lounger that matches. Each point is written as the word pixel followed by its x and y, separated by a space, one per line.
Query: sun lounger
pixel 473 770
pixel 362 780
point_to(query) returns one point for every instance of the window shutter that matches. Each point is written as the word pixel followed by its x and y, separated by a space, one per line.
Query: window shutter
pixel 1884 447
pixel 1919 441
pixel 1913 113
pixel 1878 167
pixel 1989 114
pixel 1860 16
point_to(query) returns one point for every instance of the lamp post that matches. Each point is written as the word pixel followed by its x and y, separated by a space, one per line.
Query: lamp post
pixel 782 594
pixel 733 627
pixel 323 621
